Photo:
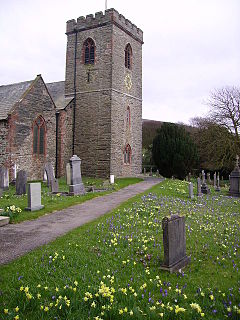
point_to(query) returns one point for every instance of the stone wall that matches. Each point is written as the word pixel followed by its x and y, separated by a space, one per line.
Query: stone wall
pixel 35 102
pixel 4 143
pixel 65 136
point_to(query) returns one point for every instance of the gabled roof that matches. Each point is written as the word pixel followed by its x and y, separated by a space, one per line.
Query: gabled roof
pixel 10 95
pixel 57 92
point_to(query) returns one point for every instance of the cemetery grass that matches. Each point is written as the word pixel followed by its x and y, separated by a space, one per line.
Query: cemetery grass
pixel 109 268
pixel 55 202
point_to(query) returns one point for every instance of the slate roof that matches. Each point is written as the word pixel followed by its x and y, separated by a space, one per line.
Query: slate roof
pixel 57 92
pixel 10 94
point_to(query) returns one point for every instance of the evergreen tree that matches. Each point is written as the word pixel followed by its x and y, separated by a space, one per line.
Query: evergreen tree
pixel 174 152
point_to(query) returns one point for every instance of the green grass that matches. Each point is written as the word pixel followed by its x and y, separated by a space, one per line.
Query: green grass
pixel 57 202
pixel 109 268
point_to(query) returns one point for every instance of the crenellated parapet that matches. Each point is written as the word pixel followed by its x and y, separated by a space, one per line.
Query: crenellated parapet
pixel 99 19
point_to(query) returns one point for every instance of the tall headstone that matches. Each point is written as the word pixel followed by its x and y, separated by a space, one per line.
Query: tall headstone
pixel 157 173
pixel 203 176
pixel 4 178
pixel 208 178
pixel 48 168
pixel 21 183
pixel 199 190
pixel 189 177
pixel 218 183
pixel 34 197
pixel 190 188
pixel 235 180
pixel 112 178
pixel 68 174
pixel 76 187
pixel 215 180
pixel 174 243
pixel 150 173
pixel 204 187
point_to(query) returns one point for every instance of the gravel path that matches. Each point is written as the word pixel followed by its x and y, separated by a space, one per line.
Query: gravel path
pixel 18 239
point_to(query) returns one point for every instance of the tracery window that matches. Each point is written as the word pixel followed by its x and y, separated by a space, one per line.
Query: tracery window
pixel 39 136
pixel 128 56
pixel 89 51
pixel 127 154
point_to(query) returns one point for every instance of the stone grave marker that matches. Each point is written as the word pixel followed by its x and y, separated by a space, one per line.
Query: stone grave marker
pixel 190 188
pixel 199 190
pixel 4 178
pixel 204 187
pixel 235 180
pixel 48 168
pixel 189 177
pixel 208 178
pixel 174 243
pixel 34 197
pixel 68 174
pixel 4 220
pixel 215 180
pixel 203 176
pixel 21 183
pixel 218 183
pixel 157 173
pixel 112 178
pixel 54 186
pixel 150 173
pixel 76 187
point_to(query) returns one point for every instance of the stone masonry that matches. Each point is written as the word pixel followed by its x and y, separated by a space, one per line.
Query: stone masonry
pixel 102 98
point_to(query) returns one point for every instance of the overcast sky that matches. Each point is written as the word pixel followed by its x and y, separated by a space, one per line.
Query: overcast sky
pixel 190 47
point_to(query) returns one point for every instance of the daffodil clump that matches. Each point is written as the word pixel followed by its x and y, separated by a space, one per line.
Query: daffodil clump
pixel 110 268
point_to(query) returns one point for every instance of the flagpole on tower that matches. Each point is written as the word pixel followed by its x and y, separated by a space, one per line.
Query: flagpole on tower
pixel 105 4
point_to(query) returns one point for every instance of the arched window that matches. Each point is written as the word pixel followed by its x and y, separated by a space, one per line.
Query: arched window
pixel 39 136
pixel 89 51
pixel 127 154
pixel 128 116
pixel 128 56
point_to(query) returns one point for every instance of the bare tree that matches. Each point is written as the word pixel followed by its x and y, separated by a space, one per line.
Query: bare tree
pixel 225 109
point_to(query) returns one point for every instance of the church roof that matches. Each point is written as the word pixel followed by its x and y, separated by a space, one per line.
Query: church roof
pixel 57 92
pixel 11 94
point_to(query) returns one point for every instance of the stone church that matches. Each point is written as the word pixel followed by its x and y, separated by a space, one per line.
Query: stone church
pixel 96 113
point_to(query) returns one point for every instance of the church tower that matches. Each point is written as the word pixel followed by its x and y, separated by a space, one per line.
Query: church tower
pixel 104 75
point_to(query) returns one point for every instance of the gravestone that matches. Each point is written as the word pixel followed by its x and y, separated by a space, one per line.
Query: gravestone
pixel 204 187
pixel 144 171
pixel 54 185
pixel 174 243
pixel 14 171
pixel 208 178
pixel 218 183
pixel 189 177
pixel 48 168
pixel 44 176
pixel 190 188
pixel 157 173
pixel 150 173
pixel 199 190
pixel 68 174
pixel 4 221
pixel 76 187
pixel 4 178
pixel 215 180
pixel 235 180
pixel 34 197
pixel 21 183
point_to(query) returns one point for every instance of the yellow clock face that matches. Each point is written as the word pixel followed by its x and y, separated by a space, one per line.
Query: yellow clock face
pixel 128 81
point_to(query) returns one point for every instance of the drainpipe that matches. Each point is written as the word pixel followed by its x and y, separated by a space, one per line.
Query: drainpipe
pixel 74 88
pixel 57 126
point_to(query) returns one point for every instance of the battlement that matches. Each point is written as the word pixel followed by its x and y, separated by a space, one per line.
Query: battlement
pixel 110 16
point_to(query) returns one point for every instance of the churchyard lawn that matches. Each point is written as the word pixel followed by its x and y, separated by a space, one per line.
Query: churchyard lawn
pixel 109 268
pixel 54 202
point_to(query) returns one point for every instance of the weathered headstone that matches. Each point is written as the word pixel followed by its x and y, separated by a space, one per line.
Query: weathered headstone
pixel 44 176
pixel 4 178
pixel 174 243
pixel 48 168
pixel 215 180
pixel 218 183
pixel 190 188
pixel 235 180
pixel 150 173
pixel 157 173
pixel 68 174
pixel 204 187
pixel 34 197
pixel 76 187
pixel 199 190
pixel 54 185
pixel 21 182
pixel 208 178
